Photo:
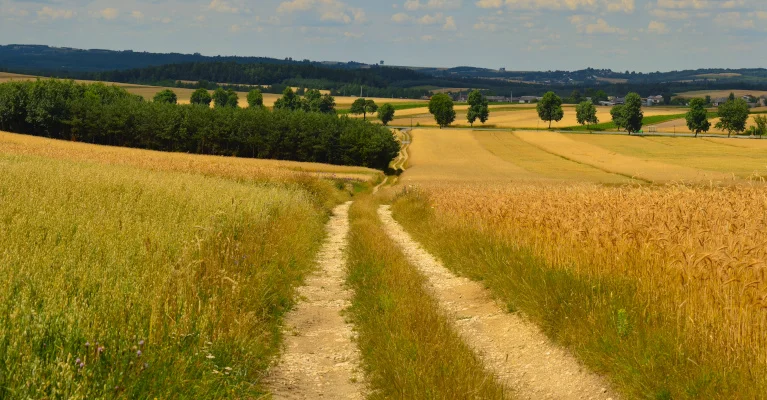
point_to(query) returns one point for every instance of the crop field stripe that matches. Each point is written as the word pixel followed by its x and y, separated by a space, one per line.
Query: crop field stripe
pixel 409 347
pixel 511 148
pixel 618 163
pixel 510 346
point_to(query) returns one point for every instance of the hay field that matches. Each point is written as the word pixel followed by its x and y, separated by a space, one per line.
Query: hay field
pixel 626 165
pixel 134 279
pixel 523 116
pixel 742 158
pixel 227 167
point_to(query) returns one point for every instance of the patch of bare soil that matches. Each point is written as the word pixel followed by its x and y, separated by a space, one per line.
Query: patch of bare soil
pixel 512 347
pixel 321 359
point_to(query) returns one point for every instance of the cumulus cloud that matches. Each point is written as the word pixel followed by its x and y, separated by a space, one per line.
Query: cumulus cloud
pixel 590 26
pixel 138 15
pixel 328 10
pixel 223 6
pixel 626 6
pixel 450 24
pixel 107 13
pixel 414 5
pixel 53 14
pixel 658 28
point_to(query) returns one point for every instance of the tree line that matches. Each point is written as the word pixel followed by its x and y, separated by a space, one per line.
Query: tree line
pixel 109 115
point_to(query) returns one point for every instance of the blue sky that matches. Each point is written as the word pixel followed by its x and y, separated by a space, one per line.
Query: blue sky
pixel 640 35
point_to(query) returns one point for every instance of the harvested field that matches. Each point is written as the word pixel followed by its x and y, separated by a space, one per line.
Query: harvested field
pixel 680 126
pixel 606 160
pixel 716 155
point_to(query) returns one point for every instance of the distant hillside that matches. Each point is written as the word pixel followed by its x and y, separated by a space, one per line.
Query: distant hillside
pixel 37 58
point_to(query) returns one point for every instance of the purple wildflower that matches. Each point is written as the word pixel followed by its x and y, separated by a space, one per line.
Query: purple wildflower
pixel 138 353
pixel 77 361
pixel 141 342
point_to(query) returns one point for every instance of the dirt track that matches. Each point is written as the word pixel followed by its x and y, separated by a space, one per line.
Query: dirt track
pixel 321 359
pixel 515 349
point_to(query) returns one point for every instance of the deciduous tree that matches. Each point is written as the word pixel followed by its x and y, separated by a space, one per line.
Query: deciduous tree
pixel 166 96
pixel 733 116
pixel 761 125
pixel 364 107
pixel 697 117
pixel 586 113
pixel 632 113
pixel 386 113
pixel 478 108
pixel 617 115
pixel 202 97
pixel 441 107
pixel 550 108
pixel 255 98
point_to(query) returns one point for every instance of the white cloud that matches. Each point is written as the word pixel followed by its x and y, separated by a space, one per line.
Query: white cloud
pixel 354 35
pixel 107 13
pixel 50 13
pixel 328 10
pixel 589 26
pixel 414 5
pixel 450 24
pixel 658 28
pixel 626 6
pixel 138 15
pixel 733 20
pixel 14 12
pixel 223 6
pixel 401 18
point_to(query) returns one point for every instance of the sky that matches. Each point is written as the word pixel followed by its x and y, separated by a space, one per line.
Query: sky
pixel 540 35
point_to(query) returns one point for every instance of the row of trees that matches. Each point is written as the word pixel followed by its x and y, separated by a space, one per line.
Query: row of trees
pixel 101 114
pixel 733 118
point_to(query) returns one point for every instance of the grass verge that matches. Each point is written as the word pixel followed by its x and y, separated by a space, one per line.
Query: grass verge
pixel 597 317
pixel 409 348
pixel 122 282
pixel 651 120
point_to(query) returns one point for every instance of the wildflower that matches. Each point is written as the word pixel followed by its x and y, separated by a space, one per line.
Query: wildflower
pixel 100 349
pixel 77 361
pixel 82 364
pixel 138 353
pixel 141 342
pixel 87 344
pixel 210 356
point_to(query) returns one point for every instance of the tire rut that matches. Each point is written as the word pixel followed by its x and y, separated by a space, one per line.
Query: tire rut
pixel 512 347
pixel 320 357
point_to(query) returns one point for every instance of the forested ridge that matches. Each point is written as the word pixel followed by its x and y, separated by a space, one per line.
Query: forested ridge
pixel 105 114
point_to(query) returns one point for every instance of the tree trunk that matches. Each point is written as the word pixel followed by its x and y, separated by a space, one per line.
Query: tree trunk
pixel 549 124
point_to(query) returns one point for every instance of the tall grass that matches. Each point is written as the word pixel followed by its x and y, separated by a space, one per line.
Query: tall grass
pixel 409 348
pixel 121 282
pixel 660 287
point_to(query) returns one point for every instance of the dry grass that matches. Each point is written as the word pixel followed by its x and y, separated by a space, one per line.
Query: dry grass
pixel 228 167
pixel 664 287
pixel 743 158
pixel 648 170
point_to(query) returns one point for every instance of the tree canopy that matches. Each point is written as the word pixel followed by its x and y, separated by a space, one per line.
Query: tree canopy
pixel 225 98
pixel 255 98
pixel 478 108
pixel 386 113
pixel 441 107
pixel 201 96
pixel 586 113
pixel 733 116
pixel 364 106
pixel 109 115
pixel 632 113
pixel 550 108
pixel 166 96
pixel 697 117
pixel 617 115
pixel 289 101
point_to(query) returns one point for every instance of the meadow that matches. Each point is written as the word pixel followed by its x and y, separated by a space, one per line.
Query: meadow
pixel 145 274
